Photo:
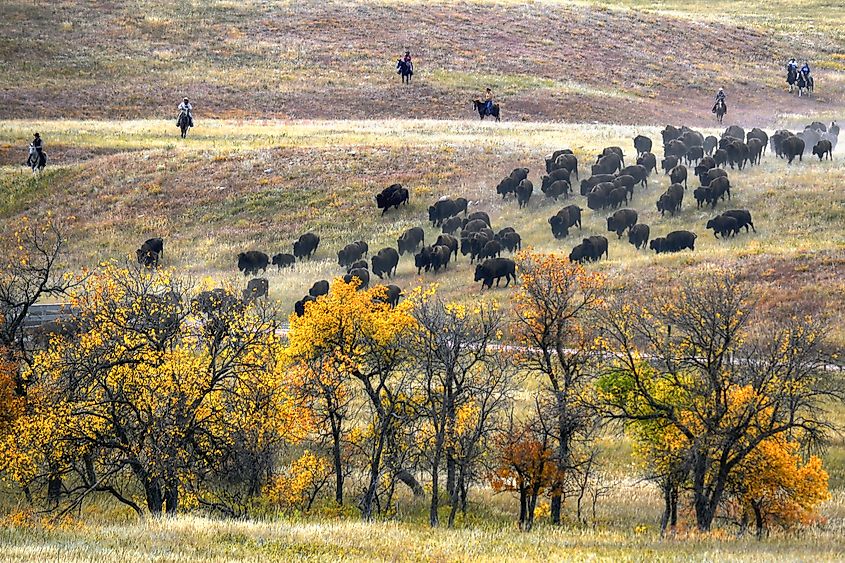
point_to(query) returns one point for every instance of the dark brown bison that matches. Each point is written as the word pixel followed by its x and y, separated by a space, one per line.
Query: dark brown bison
pixel 410 240
pixel 621 220
pixel 360 274
pixel 151 252
pixel 284 261
pixel 642 144
pixel 251 261
pixel 567 217
pixel 523 193
pixel 669 163
pixel 352 252
pixel 710 144
pixel 445 208
pixel 649 161
pixel 638 235
pixel 678 175
pixel 743 218
pixel 385 262
pixel 671 199
pixel 823 148
pixel 792 147
pixel 319 288
pixel 495 269
pixel 448 241
pixel 675 241
pixel 306 246
pixel 392 196
pixel 723 225
pixel 255 288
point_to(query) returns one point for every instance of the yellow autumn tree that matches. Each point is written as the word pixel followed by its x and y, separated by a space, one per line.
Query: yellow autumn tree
pixel 298 485
pixel 351 340
pixel 151 395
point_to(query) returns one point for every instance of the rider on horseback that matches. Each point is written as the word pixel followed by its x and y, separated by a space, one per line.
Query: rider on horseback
pixel 792 66
pixel 37 144
pixel 185 108
pixel 408 61
pixel 488 101
pixel 805 70
pixel 720 97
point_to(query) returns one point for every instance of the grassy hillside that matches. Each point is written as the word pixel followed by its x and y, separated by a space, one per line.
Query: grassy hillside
pixel 620 62
pixel 235 187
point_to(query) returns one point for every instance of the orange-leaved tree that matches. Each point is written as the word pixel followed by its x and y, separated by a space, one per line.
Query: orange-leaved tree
pixel 555 308
pixel 526 464
pixel 775 486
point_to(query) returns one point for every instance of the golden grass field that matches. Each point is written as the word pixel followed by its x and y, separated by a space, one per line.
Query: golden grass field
pixel 300 121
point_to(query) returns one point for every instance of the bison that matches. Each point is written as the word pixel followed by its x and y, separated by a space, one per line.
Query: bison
pixel 385 262
pixel 642 144
pixel 392 196
pixel 410 240
pixel 446 208
pixel 523 193
pixel 823 148
pixel 255 288
pixel 675 241
pixel 360 274
pixel 621 220
pixel 150 252
pixel 306 246
pixel 350 253
pixel 638 235
pixel 283 261
pixel 678 175
pixel 319 288
pixel 495 269
pixel 723 225
pixel 252 261
pixel 743 218
pixel 792 147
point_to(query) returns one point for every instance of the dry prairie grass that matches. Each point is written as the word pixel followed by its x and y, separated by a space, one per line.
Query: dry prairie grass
pixel 628 62
pixel 258 185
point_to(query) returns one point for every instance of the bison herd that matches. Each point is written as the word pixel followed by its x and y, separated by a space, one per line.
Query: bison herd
pixel 612 186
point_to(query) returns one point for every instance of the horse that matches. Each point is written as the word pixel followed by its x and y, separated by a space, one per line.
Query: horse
pixel 720 110
pixel 36 160
pixel 791 78
pixel 185 122
pixel 803 85
pixel 481 108
pixel 809 80
pixel 405 70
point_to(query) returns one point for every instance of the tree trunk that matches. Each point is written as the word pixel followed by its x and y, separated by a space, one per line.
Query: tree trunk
pixel 450 474
pixel 337 460
pixel 667 508
pixel 375 468
pixel 171 499
pixel 523 507
pixel 433 518
pixel 758 519
pixel 557 503
pixel 562 457
pixel 154 496
pixel 54 489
